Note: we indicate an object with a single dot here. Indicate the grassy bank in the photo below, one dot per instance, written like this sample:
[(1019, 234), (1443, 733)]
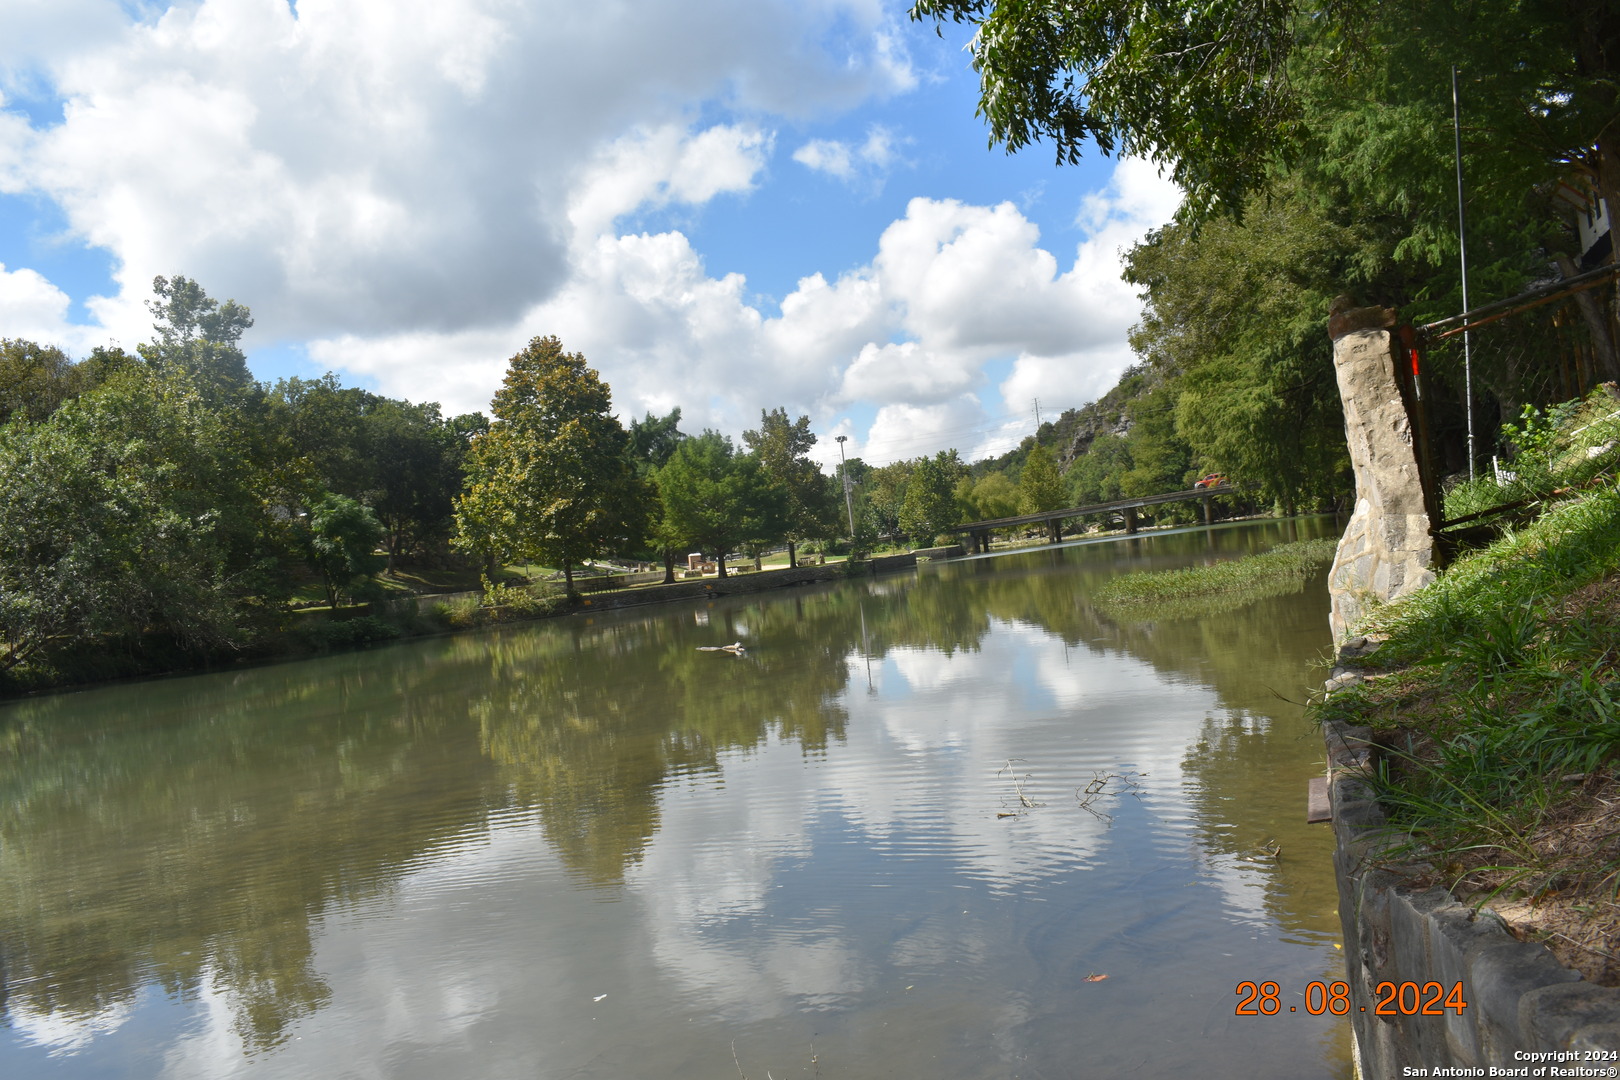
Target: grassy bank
[(1493, 694)]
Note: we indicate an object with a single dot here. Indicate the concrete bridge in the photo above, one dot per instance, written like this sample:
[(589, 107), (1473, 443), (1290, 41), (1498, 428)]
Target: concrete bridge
[(978, 532)]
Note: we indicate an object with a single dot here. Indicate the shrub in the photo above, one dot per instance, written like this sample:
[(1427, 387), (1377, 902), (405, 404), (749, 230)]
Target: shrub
[(326, 635)]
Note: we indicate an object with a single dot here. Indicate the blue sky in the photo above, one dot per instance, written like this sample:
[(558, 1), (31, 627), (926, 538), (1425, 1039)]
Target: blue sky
[(727, 205)]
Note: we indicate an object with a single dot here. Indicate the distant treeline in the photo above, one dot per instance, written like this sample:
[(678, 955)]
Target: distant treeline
[(163, 507), (165, 501)]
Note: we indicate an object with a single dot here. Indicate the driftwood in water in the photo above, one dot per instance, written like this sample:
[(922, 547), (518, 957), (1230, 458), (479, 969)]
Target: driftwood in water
[(735, 648)]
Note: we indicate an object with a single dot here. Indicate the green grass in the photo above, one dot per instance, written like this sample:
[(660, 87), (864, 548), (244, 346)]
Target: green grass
[(1503, 687), (1222, 586), (1561, 447), (1570, 545)]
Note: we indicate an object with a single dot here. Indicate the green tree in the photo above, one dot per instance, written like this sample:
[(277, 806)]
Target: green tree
[(1540, 94), (1202, 87), (884, 492), (316, 428), (717, 498), (401, 459), (1160, 459), (342, 545), (653, 441), (1040, 485), (930, 503), (654, 438), (1094, 476), (35, 379), (127, 514), (991, 496), (812, 504), (552, 480), (1140, 452), (199, 335), (418, 458), (1238, 312), (1220, 91)]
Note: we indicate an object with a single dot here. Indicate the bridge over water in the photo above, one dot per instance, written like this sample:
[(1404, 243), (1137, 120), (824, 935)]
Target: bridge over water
[(978, 532)]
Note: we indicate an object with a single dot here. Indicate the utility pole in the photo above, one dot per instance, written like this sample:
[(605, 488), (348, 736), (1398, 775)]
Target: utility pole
[(1037, 418), (843, 479), (1462, 249)]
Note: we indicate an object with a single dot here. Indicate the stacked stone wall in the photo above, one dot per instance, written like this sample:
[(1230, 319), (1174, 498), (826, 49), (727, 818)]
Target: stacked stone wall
[(1402, 930)]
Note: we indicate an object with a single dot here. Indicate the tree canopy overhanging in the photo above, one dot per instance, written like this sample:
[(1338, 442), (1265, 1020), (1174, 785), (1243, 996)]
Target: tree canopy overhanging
[(1220, 92)]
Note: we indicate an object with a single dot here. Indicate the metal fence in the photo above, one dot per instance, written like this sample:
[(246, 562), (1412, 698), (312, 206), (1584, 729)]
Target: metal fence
[(1549, 344)]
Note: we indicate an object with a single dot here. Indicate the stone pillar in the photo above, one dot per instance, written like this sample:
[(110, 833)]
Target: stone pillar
[(1209, 510), (1130, 519), (1386, 549)]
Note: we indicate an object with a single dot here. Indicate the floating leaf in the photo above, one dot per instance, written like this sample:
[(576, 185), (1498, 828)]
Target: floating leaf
[(1095, 978)]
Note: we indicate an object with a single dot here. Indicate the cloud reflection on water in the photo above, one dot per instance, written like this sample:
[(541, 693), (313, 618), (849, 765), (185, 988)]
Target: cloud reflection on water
[(715, 844)]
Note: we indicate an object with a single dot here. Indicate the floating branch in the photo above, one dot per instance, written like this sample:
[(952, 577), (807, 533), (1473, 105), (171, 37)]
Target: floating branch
[(1024, 801), (1268, 851), (1107, 785)]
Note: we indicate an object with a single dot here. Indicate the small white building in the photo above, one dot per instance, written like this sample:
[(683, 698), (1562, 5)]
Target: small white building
[(1591, 224)]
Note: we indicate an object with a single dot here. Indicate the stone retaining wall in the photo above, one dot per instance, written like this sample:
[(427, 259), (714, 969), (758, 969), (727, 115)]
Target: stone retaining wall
[(738, 584), (731, 585), (1520, 999), (949, 551)]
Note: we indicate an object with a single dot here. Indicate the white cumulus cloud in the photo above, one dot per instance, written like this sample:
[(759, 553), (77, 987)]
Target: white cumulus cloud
[(33, 308), (847, 161), (411, 189), (828, 156), (373, 167), (951, 288)]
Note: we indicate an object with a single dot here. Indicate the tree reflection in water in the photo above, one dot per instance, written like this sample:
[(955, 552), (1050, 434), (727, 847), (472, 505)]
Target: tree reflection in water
[(186, 833)]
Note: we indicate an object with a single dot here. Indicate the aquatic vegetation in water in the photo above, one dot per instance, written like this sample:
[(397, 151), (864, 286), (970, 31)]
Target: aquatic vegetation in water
[(1201, 591)]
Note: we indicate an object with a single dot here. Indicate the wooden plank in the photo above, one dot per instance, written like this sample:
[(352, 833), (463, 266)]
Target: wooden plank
[(1317, 805)]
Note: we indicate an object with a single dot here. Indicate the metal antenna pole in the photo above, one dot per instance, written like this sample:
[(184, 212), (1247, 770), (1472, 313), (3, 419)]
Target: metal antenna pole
[(843, 479), (1462, 249)]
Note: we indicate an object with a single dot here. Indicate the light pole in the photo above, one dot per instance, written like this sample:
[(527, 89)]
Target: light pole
[(1462, 251), (843, 478)]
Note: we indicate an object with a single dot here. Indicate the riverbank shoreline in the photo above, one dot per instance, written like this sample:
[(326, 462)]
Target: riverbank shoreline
[(370, 625), (403, 619)]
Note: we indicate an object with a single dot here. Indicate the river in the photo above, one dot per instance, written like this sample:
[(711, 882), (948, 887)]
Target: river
[(906, 835)]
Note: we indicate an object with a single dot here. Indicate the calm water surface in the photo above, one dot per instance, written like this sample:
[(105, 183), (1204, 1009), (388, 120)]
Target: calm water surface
[(583, 848)]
